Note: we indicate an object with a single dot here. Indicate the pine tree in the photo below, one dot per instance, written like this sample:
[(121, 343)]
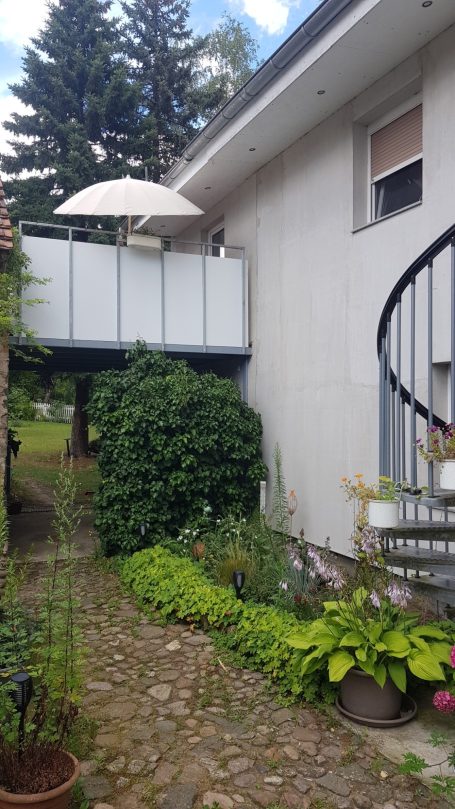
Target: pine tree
[(82, 109), (164, 59)]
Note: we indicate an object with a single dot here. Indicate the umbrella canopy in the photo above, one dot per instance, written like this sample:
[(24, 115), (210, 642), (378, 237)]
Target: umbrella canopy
[(128, 197)]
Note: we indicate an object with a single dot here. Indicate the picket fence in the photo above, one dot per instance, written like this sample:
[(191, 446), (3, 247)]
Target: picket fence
[(53, 411)]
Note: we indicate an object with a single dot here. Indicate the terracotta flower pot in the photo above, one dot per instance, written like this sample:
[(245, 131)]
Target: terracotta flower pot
[(58, 798), (363, 697)]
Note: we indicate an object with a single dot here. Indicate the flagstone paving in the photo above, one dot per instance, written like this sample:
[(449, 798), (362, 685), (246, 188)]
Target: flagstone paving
[(180, 729)]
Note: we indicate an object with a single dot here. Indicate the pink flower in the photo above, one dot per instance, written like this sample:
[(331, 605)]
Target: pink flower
[(452, 657), (444, 701)]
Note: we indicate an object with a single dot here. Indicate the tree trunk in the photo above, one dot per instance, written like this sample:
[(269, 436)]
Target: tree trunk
[(79, 429), (4, 372), (4, 368)]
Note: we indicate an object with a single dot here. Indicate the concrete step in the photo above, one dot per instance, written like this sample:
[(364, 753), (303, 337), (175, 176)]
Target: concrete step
[(440, 590), (413, 558), (440, 499), (421, 529)]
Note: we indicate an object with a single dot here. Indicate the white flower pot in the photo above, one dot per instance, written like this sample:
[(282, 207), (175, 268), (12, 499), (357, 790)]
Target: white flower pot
[(447, 476), (383, 513)]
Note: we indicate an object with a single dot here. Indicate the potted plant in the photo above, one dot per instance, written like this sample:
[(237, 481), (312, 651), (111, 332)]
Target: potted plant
[(35, 767), (367, 642), (440, 447), (378, 504)]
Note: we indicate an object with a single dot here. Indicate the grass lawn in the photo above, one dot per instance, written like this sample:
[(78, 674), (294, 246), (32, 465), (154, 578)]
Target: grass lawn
[(37, 464)]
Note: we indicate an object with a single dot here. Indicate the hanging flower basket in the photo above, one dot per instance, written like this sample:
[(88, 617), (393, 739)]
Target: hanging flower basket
[(384, 513)]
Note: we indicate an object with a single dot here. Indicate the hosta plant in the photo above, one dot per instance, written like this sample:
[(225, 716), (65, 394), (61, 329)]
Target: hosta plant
[(373, 633)]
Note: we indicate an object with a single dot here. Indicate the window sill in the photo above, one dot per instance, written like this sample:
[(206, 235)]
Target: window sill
[(388, 216)]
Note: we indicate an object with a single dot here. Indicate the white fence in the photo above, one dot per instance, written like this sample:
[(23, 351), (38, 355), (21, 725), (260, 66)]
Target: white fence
[(53, 411)]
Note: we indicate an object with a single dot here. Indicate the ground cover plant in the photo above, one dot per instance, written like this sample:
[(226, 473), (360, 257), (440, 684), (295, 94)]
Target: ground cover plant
[(171, 441)]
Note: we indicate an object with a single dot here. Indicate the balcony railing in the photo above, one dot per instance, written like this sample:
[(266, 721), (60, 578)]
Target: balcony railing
[(177, 298)]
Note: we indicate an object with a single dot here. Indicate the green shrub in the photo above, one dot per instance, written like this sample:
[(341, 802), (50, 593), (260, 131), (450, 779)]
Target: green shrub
[(179, 587), (20, 407), (171, 442)]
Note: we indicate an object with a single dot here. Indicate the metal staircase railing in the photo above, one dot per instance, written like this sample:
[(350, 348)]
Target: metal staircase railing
[(399, 406)]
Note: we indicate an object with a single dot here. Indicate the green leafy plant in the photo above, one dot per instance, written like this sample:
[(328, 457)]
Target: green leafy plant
[(383, 644), (55, 663), (172, 441), (441, 784), (280, 514), (235, 558)]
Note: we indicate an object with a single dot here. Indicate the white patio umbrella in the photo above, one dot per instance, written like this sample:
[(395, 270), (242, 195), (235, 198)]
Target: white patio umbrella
[(128, 197)]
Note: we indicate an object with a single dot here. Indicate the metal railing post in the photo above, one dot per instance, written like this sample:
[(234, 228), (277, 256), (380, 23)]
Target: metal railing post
[(163, 302), (71, 286), (398, 396), (204, 298)]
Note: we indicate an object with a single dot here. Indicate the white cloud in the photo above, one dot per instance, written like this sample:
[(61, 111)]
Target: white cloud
[(271, 15), (20, 20)]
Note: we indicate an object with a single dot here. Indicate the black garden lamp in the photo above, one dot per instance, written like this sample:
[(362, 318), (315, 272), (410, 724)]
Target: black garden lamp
[(21, 695), (142, 529), (238, 580)]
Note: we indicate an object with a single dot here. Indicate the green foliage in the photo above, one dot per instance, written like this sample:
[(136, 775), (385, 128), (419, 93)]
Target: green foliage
[(178, 587), (442, 785), (20, 407), (82, 106), (171, 442), (383, 646), (232, 56), (280, 515), (15, 630)]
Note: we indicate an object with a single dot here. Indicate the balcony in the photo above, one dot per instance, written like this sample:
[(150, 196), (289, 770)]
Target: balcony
[(175, 296)]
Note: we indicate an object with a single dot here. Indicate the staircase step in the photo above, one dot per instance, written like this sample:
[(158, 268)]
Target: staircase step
[(440, 499), (439, 589), (421, 529), (421, 559)]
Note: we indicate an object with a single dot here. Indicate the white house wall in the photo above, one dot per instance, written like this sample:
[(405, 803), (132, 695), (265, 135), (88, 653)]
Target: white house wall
[(317, 289)]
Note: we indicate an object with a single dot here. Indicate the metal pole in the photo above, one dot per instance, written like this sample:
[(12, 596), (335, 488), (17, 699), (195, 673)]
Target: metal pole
[(163, 308), (387, 396), (118, 298), (244, 283), (430, 374), (382, 408), (71, 285), (204, 298), (413, 451), (398, 399), (452, 341)]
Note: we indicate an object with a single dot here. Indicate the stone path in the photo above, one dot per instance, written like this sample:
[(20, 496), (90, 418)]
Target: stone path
[(179, 729)]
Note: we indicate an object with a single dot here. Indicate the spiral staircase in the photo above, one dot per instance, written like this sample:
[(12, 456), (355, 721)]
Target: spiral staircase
[(416, 376)]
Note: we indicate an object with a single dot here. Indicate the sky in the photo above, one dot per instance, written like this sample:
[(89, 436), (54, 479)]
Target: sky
[(270, 22)]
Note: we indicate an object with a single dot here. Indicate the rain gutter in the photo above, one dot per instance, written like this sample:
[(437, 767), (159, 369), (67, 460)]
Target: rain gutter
[(298, 41)]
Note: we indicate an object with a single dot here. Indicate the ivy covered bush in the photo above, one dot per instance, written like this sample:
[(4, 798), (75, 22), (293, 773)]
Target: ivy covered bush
[(257, 633), (172, 441)]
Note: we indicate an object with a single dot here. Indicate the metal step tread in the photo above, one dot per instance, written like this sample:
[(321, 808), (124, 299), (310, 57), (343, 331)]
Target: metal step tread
[(441, 588), (441, 498), (420, 528), (419, 556)]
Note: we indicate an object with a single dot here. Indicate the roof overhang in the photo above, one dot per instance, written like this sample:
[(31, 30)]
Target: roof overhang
[(362, 43)]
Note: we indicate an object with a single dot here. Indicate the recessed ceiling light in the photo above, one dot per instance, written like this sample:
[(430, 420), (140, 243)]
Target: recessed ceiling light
[(207, 188), (162, 226), (321, 92), (252, 149), (427, 3)]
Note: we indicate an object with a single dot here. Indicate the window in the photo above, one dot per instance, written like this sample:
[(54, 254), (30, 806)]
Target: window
[(216, 238), (396, 163)]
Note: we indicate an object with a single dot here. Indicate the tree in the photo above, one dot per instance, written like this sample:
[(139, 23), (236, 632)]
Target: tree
[(79, 427), (232, 56), (172, 441), (83, 107), (164, 62)]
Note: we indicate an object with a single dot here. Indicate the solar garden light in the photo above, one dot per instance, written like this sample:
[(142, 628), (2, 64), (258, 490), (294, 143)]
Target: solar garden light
[(143, 528), (21, 695), (238, 580)]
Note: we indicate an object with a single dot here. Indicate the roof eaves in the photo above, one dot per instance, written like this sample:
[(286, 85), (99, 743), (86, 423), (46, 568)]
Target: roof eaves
[(292, 47)]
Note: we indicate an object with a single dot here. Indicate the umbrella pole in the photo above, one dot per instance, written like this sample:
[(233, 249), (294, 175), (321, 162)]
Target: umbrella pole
[(129, 225)]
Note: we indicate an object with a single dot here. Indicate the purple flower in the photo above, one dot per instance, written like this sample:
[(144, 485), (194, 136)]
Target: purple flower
[(398, 595), (298, 564), (444, 701), (375, 600)]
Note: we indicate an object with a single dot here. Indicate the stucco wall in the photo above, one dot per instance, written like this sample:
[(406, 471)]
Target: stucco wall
[(317, 288)]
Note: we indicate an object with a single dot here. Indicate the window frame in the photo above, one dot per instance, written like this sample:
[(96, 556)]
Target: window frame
[(211, 233), (380, 123)]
